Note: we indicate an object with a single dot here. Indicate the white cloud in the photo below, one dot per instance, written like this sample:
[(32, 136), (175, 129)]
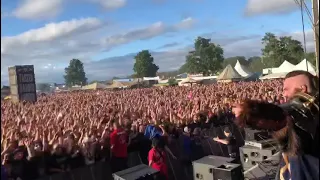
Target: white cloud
[(173, 59), (255, 7), (38, 9), (48, 69), (186, 23), (111, 4), (57, 43), (35, 44)]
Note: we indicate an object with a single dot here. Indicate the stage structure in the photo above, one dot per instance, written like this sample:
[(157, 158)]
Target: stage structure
[(22, 83)]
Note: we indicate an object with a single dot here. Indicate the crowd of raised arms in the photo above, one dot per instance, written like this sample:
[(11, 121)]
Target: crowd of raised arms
[(64, 131)]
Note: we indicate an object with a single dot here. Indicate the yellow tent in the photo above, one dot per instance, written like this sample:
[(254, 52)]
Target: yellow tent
[(94, 86), (188, 80), (116, 84), (7, 97)]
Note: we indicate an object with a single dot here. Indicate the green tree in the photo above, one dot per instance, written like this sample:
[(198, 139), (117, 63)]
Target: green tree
[(276, 50), (253, 58), (206, 58), (256, 64), (233, 60), (311, 57), (172, 82), (44, 87), (74, 73), (144, 65), (183, 68)]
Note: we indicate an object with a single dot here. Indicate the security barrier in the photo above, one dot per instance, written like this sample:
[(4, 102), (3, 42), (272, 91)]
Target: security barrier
[(102, 170)]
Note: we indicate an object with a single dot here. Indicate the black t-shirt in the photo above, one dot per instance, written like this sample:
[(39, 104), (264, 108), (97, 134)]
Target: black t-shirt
[(144, 147), (75, 159), (58, 162), (194, 125), (104, 150), (19, 163), (18, 169), (37, 166), (231, 144), (174, 133), (196, 148), (162, 141)]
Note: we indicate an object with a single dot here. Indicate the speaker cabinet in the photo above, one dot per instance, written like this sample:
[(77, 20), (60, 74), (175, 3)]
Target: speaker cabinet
[(250, 156), (228, 171), (22, 83), (203, 168), (141, 171)]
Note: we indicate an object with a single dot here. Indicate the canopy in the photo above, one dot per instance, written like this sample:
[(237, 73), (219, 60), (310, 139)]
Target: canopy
[(188, 80), (274, 76), (7, 97), (151, 78), (242, 70), (229, 73), (285, 67), (305, 65), (118, 84), (94, 86)]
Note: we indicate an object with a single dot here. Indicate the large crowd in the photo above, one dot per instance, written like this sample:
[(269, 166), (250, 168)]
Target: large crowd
[(65, 131)]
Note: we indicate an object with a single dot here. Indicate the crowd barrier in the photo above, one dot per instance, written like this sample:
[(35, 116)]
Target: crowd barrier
[(102, 170)]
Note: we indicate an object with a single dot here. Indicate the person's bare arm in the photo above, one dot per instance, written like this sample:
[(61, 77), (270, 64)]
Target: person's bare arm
[(30, 151), (150, 162), (222, 141)]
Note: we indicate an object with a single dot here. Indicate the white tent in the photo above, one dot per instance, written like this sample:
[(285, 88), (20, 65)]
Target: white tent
[(242, 70), (285, 67), (274, 76), (157, 78), (305, 65)]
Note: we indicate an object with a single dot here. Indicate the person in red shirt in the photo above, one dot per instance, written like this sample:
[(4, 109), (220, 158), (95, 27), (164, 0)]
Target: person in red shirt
[(118, 143), (157, 159)]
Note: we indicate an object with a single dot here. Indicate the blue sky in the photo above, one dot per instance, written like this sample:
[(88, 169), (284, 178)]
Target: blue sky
[(106, 34)]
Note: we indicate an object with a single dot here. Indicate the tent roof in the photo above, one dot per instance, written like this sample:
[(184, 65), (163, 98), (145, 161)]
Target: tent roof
[(274, 76), (94, 86), (229, 73), (188, 80), (305, 65), (118, 84), (285, 67), (242, 70)]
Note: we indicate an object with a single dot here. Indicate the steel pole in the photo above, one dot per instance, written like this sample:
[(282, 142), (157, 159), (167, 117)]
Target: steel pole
[(315, 12)]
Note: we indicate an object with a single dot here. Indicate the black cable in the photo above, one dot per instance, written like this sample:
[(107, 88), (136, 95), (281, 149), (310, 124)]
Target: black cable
[(311, 23)]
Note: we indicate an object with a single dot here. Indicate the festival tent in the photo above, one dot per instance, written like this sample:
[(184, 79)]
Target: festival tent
[(253, 77), (242, 70), (285, 67), (94, 86), (274, 76), (188, 80), (305, 65), (229, 74), (117, 84)]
